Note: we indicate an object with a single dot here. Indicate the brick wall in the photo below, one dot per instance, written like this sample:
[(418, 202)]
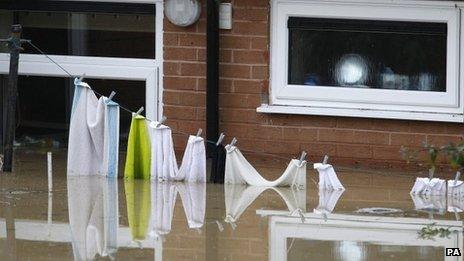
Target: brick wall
[(244, 66)]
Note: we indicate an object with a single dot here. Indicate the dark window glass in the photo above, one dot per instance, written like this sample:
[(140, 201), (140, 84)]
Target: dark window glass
[(367, 54), (102, 31)]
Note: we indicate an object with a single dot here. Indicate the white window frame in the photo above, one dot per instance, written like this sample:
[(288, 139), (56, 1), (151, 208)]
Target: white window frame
[(360, 102), (148, 70)]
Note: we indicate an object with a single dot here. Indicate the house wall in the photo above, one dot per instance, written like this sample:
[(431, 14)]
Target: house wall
[(244, 85)]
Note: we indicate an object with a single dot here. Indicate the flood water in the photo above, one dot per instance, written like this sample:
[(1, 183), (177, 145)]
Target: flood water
[(375, 218)]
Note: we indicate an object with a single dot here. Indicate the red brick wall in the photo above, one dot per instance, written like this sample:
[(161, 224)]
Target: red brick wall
[(244, 66)]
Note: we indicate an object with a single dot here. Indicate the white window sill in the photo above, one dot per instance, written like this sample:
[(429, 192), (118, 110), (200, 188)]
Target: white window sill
[(361, 113)]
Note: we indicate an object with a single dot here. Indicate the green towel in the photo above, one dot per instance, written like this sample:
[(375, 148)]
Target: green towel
[(138, 150), (138, 201)]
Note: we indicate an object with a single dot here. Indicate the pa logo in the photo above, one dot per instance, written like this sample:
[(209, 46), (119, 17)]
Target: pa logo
[(453, 252)]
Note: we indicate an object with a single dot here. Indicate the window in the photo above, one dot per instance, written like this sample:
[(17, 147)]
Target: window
[(381, 60)]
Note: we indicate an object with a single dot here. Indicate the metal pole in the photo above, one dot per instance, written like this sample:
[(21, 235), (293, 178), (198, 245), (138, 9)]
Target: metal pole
[(212, 73), (11, 95)]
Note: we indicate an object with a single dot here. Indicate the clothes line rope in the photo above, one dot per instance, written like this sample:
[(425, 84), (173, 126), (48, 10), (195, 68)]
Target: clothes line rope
[(130, 111)]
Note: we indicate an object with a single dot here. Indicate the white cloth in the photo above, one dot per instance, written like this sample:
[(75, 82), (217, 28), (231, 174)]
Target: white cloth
[(456, 188), (426, 186), (163, 158), (430, 204), (240, 171), (238, 197), (327, 177), (455, 203), (93, 216), (193, 196), (93, 134), (328, 198)]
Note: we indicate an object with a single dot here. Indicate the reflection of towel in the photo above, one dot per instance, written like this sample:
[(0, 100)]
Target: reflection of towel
[(218, 167), (327, 200), (193, 197), (240, 171), (163, 158), (238, 197), (430, 203), (138, 207), (93, 216), (93, 134), (138, 150), (426, 186), (456, 188), (327, 177)]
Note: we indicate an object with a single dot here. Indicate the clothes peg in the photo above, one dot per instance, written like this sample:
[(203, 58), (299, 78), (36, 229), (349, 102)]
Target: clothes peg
[(221, 137), (113, 93), (139, 111), (82, 77), (232, 143), (199, 132), (302, 157), (326, 159), (163, 119), (457, 177), (431, 173)]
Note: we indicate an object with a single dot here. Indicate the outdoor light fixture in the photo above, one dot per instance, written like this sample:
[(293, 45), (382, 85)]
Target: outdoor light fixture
[(182, 12), (351, 70)]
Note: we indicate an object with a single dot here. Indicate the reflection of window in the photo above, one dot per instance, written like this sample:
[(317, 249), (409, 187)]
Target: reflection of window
[(106, 32), (367, 54), (386, 60)]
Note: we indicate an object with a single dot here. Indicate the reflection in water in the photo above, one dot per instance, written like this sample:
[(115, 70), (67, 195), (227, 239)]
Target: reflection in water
[(239, 197), (138, 207), (430, 204), (93, 216), (193, 197), (327, 200)]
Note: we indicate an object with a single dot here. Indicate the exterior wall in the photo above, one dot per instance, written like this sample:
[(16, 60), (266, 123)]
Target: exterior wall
[(244, 85)]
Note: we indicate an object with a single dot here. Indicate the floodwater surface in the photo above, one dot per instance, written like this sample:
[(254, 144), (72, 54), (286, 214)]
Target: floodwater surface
[(87, 218)]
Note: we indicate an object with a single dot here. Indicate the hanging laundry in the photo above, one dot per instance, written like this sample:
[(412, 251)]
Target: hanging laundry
[(93, 216), (240, 171), (93, 134), (455, 204), (138, 200), (456, 188), (163, 160), (426, 186), (163, 157), (430, 204), (239, 197), (218, 166), (193, 197), (138, 150), (328, 198), (327, 177)]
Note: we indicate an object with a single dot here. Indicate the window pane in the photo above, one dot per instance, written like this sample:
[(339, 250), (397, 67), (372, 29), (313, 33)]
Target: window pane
[(367, 54), (85, 34)]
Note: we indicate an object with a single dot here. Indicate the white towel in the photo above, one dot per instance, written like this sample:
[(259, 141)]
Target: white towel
[(426, 186), (328, 198), (93, 216), (456, 188), (193, 196), (193, 168), (327, 177), (240, 171), (431, 204), (238, 197), (455, 203), (163, 159), (93, 134)]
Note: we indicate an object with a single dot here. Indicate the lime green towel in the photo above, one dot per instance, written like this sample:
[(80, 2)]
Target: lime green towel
[(138, 150), (138, 201)]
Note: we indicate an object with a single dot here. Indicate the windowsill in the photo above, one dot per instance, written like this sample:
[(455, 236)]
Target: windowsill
[(360, 113)]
